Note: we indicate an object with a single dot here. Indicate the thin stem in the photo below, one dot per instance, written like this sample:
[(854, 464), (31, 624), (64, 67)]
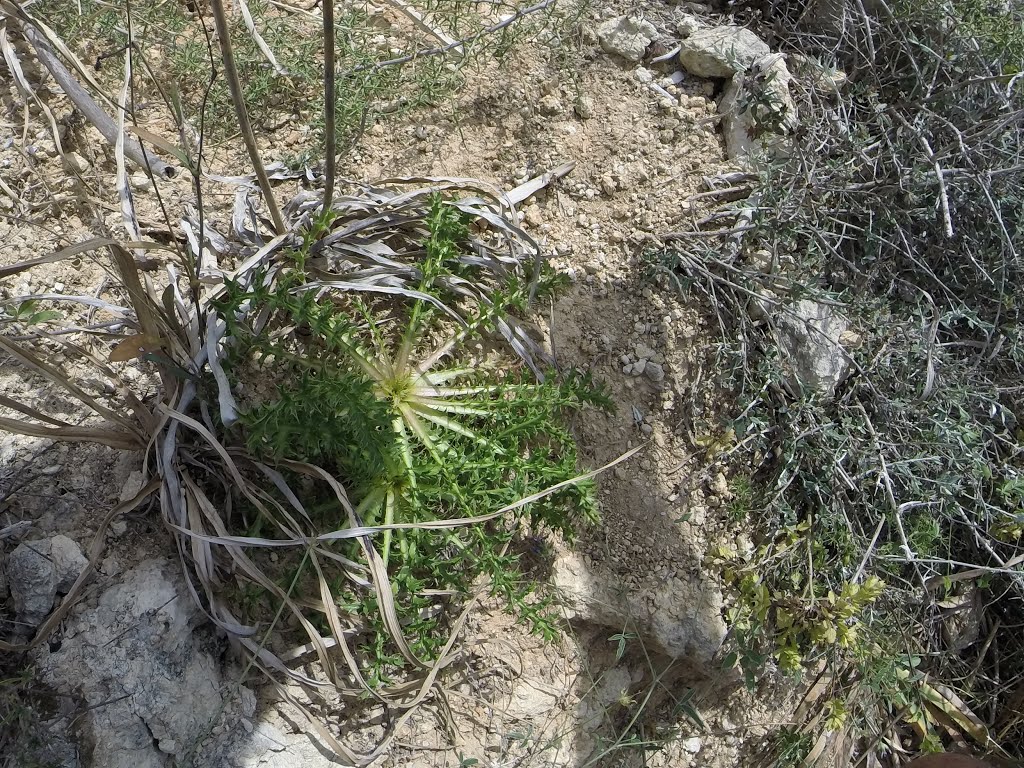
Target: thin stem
[(235, 86), (329, 108)]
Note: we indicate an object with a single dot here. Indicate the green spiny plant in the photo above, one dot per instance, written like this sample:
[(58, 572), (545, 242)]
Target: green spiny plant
[(387, 396)]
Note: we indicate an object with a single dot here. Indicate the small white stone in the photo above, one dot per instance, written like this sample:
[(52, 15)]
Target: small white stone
[(692, 745), (140, 182), (75, 163), (644, 75)]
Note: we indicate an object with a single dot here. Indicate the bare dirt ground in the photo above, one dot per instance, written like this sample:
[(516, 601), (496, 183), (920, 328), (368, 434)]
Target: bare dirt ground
[(638, 159)]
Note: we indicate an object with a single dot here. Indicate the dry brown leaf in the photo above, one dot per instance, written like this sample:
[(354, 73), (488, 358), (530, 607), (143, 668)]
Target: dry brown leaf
[(134, 347)]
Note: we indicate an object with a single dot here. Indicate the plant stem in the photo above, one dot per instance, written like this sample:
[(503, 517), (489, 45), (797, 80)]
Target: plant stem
[(329, 138), (235, 86)]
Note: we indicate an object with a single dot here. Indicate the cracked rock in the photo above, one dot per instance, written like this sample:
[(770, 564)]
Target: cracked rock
[(627, 36), (136, 653), (721, 51), (37, 571)]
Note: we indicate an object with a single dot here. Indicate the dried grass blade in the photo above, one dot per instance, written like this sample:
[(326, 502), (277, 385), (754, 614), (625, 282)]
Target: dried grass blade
[(345, 285), (945, 699), (253, 571), (88, 301), (146, 307), (59, 45), (378, 572), (258, 39), (124, 191), (65, 253), (58, 377), (420, 21), (350, 757), (14, 66), (228, 407), (202, 553), (212, 441), (14, 405), (533, 186), (121, 440)]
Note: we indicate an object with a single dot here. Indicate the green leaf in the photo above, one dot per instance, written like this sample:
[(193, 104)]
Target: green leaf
[(44, 317)]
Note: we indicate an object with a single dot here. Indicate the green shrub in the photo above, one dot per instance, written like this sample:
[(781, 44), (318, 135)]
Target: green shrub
[(900, 205)]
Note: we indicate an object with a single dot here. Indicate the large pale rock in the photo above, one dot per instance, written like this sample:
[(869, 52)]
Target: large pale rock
[(37, 571), (627, 36), (809, 335), (758, 111), (686, 623), (152, 691), (32, 580), (145, 664), (721, 51)]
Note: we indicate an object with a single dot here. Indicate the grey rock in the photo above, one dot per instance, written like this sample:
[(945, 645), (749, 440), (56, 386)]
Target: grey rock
[(644, 75), (68, 561), (33, 582), (140, 657), (654, 371), (271, 746), (721, 51), (75, 163), (136, 652), (687, 24), (584, 107), (758, 111), (642, 350), (55, 751), (686, 622), (826, 79), (132, 485), (809, 335), (550, 105), (627, 36), (140, 181)]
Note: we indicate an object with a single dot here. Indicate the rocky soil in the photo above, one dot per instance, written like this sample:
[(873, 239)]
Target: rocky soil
[(135, 675)]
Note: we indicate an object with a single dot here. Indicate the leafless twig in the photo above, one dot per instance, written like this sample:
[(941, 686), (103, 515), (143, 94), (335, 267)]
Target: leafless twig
[(458, 44)]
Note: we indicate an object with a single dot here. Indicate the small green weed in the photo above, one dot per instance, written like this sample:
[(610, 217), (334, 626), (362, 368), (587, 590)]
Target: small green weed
[(23, 742)]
